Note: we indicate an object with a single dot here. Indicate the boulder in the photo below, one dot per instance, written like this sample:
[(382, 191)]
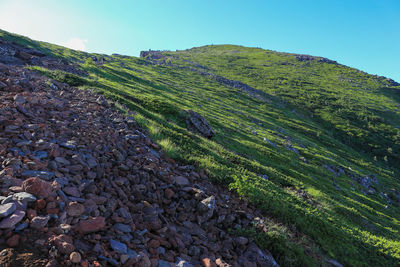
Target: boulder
[(37, 187), (197, 123)]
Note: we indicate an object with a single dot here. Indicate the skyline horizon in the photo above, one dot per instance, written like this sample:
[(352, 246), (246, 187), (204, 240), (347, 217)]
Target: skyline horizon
[(362, 35)]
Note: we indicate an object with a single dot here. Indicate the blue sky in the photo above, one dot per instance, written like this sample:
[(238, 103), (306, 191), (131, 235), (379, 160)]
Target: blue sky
[(362, 34)]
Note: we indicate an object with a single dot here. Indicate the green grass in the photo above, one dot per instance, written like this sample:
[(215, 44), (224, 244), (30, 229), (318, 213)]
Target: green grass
[(330, 113)]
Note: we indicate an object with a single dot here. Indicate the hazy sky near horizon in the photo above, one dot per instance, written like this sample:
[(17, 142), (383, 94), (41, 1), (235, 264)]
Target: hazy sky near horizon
[(364, 34)]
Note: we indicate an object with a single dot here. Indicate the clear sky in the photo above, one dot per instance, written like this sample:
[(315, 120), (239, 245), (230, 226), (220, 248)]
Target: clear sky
[(359, 33)]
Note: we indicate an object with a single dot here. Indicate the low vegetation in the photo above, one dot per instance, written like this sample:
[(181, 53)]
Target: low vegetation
[(318, 152)]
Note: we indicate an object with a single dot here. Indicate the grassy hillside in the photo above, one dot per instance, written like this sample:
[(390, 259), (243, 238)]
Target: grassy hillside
[(312, 143)]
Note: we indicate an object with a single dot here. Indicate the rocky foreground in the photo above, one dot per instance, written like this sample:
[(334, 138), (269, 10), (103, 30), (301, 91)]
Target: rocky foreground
[(82, 185)]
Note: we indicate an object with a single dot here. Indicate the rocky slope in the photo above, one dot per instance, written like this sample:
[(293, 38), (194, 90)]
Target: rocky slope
[(83, 185)]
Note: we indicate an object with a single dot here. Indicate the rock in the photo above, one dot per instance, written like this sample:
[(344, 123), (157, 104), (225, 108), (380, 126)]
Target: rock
[(335, 263), (194, 251), (37, 187), (182, 181), (45, 175), (144, 260), (12, 220), (63, 243), (7, 209), (40, 154), (124, 258), (39, 222), (208, 263), (109, 260), (62, 161), (20, 226), (41, 204), (183, 263), (72, 191), (2, 85), (260, 257), (19, 99), (91, 225), (24, 197), (197, 123), (241, 240), (221, 263), (92, 163), (65, 228), (207, 205), (13, 241), (169, 193), (8, 199), (162, 263), (117, 246), (101, 101), (69, 145), (75, 257), (122, 227), (75, 209)]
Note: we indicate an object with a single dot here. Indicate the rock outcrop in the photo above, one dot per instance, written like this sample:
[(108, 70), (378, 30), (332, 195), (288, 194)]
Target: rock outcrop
[(197, 123)]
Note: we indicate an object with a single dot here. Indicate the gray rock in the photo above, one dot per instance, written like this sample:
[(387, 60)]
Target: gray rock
[(69, 144), (335, 263), (92, 163), (40, 154), (19, 99), (45, 175), (162, 263), (39, 222), (122, 227), (183, 263), (8, 199), (124, 213), (24, 197), (131, 253), (62, 161), (182, 181), (7, 209), (12, 220), (241, 240), (207, 205), (260, 257), (109, 260), (197, 123), (24, 143), (118, 246), (21, 226)]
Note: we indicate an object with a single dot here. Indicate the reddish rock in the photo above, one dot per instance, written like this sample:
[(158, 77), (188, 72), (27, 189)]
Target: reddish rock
[(91, 225), (30, 213), (13, 241), (63, 243), (37, 187), (169, 193), (41, 204), (75, 209), (144, 260), (153, 243), (207, 262)]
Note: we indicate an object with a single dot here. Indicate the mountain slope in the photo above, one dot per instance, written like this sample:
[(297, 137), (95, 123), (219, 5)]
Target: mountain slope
[(312, 143)]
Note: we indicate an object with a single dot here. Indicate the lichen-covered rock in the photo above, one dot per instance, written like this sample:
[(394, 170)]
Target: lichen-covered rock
[(197, 123)]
